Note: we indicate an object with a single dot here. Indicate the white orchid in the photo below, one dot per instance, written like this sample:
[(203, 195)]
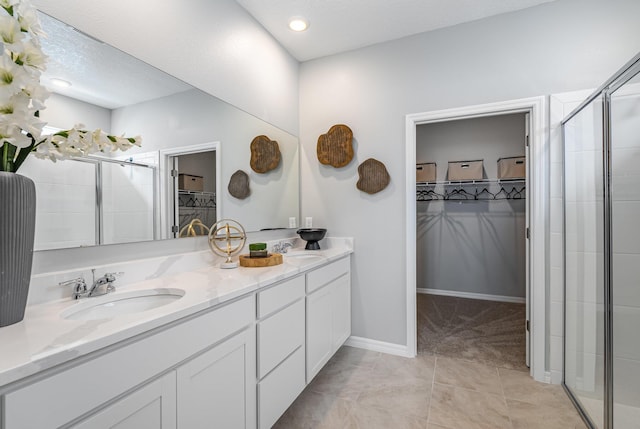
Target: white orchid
[(22, 97), (80, 142)]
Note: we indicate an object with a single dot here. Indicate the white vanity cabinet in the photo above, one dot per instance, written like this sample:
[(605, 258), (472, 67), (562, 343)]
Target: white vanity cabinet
[(281, 342), (152, 406), (217, 388), (239, 365), (116, 386), (328, 305)]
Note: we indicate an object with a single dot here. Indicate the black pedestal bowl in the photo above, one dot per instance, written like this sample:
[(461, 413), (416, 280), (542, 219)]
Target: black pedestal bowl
[(312, 236)]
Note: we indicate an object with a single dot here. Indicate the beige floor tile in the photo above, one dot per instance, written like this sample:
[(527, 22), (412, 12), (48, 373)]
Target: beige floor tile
[(529, 416), (402, 400), (454, 407), (315, 411), (368, 417), (352, 356), (340, 379), (467, 374), (397, 370), (519, 386)]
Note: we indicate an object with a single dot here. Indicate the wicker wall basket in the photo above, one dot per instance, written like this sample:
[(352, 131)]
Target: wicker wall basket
[(335, 148), (374, 176)]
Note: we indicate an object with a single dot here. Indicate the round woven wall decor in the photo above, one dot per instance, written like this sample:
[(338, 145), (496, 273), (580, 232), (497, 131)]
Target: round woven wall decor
[(374, 176)]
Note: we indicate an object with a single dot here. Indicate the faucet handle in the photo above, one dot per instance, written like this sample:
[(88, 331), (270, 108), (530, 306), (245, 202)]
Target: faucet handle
[(111, 277), (74, 282), (79, 286)]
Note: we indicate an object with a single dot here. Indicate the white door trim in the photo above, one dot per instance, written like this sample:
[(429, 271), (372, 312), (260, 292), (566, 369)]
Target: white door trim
[(538, 190), (166, 188)]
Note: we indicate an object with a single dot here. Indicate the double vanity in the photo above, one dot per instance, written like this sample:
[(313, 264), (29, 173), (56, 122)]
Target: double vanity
[(196, 348)]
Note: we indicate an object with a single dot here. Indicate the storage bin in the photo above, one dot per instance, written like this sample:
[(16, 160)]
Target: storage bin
[(426, 172), (513, 167), (188, 182), (465, 170)]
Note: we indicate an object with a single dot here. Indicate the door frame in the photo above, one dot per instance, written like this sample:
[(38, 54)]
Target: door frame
[(538, 191), (166, 188)]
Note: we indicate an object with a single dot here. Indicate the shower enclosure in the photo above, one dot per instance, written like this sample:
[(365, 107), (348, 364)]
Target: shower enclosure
[(602, 252)]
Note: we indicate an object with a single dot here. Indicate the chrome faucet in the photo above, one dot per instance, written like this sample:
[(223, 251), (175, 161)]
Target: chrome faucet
[(79, 287), (282, 247), (100, 286)]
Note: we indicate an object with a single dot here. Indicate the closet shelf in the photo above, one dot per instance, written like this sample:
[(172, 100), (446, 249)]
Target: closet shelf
[(186, 192), (470, 182)]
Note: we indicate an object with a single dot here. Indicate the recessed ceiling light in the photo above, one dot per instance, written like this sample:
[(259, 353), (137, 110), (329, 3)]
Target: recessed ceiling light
[(60, 82), (298, 23)]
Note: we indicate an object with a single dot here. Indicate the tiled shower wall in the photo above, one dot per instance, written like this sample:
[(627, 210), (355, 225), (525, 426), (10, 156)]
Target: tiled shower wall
[(625, 195)]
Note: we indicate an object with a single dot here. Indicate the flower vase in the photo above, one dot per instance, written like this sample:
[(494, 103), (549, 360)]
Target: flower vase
[(17, 231)]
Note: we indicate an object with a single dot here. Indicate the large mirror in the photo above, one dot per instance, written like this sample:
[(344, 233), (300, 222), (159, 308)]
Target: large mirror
[(192, 143)]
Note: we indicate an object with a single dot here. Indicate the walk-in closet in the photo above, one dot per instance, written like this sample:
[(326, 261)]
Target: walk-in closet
[(196, 208), (471, 199)]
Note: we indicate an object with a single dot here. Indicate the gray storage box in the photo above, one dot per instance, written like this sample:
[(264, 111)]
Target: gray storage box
[(513, 167), (426, 172), (465, 170)]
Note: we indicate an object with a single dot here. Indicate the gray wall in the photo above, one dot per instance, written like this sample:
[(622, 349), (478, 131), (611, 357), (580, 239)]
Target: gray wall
[(560, 46), (200, 164), (472, 246)]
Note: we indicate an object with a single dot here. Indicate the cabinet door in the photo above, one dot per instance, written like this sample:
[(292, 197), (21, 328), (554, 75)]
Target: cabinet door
[(217, 388), (341, 311), (319, 329), (150, 407)]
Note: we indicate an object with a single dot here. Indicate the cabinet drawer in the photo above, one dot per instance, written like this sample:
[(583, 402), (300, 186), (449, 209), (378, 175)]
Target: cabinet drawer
[(322, 276), (280, 296), (69, 394), (280, 388), (279, 335)]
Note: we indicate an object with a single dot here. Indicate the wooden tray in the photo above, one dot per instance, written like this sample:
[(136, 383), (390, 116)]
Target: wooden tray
[(269, 261)]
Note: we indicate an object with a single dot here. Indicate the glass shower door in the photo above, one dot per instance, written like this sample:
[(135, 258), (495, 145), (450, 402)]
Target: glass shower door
[(584, 260), (625, 253)]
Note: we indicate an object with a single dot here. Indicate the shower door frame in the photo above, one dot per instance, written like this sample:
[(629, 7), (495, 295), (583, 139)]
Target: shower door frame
[(610, 86)]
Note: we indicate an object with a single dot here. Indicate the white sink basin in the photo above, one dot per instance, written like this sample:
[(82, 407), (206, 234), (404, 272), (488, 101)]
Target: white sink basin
[(109, 306)]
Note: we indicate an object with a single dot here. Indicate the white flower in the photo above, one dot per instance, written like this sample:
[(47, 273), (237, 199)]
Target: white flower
[(11, 34), (28, 19), (31, 57)]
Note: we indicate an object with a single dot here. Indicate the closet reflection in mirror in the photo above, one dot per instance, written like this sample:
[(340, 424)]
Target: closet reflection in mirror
[(93, 201)]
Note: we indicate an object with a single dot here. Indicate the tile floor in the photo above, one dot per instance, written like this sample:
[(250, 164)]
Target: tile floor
[(464, 384)]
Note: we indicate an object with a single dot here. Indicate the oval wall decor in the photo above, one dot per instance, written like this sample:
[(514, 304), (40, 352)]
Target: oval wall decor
[(265, 154), (335, 148), (374, 176), (239, 185)]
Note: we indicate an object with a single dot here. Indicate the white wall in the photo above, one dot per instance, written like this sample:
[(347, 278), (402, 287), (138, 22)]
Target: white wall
[(213, 45), (560, 46), (65, 112), (472, 246), (193, 117)]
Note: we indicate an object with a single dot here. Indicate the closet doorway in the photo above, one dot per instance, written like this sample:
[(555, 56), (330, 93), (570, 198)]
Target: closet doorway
[(191, 188), (470, 241)]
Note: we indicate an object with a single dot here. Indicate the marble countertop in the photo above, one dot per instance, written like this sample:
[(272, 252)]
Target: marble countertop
[(45, 339)]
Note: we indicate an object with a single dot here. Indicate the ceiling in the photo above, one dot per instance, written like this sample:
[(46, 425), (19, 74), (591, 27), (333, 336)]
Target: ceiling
[(342, 25)]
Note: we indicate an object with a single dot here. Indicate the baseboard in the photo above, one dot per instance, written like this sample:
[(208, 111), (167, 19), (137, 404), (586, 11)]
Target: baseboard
[(378, 346), (472, 295), (556, 377)]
